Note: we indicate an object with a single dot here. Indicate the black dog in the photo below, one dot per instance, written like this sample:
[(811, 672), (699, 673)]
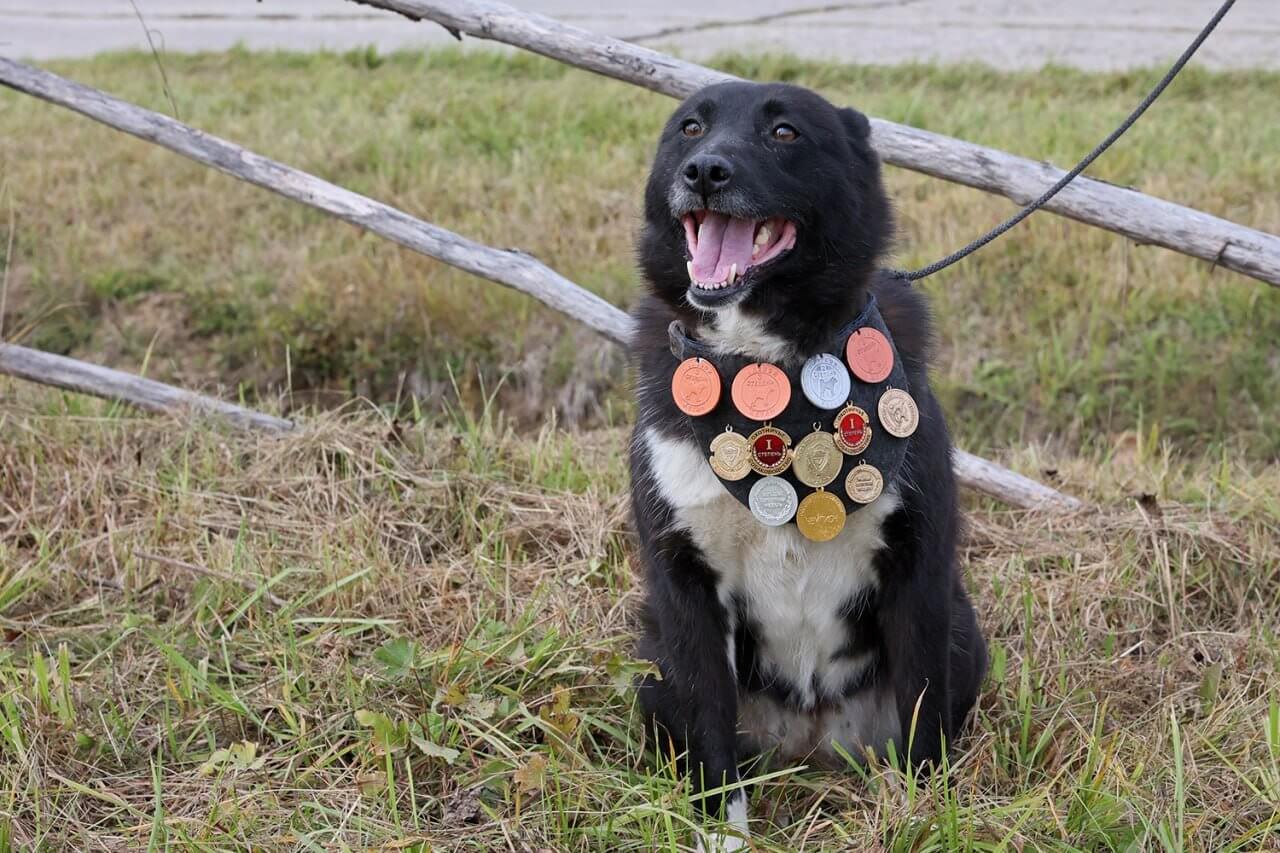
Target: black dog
[(764, 220)]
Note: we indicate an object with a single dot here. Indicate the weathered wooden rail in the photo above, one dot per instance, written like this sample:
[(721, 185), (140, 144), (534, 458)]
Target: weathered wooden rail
[(514, 269), (147, 394), (1126, 211)]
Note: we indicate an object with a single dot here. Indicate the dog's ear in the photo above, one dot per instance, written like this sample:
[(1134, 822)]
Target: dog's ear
[(856, 125)]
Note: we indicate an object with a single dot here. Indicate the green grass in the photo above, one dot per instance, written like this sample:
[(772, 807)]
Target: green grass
[(406, 627), (371, 634), (1057, 333)]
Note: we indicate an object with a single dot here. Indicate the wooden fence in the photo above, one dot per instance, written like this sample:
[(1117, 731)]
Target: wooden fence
[(1118, 209)]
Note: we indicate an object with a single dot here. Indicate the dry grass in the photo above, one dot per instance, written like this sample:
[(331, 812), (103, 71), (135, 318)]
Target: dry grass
[(466, 588), (1058, 332), (412, 633)]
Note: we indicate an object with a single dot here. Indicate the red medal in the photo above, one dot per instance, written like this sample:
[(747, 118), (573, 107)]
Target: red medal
[(769, 453), (869, 354), (853, 430), (695, 386)]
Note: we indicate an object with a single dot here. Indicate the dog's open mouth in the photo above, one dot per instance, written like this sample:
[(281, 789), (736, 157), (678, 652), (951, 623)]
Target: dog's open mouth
[(724, 249)]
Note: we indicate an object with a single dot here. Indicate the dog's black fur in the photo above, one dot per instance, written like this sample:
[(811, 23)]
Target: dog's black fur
[(916, 621)]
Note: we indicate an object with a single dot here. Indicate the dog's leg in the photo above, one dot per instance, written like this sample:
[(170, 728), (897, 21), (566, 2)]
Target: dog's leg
[(937, 660), (915, 612), (917, 636), (968, 658), (695, 701)]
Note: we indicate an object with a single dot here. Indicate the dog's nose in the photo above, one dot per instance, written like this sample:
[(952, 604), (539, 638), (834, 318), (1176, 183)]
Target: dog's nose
[(707, 173)]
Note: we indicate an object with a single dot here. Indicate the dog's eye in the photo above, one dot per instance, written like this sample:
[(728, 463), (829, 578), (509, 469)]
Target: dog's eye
[(785, 133), (692, 128)]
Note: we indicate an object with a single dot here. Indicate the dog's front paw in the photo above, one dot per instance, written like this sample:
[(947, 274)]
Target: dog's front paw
[(727, 842), (721, 842)]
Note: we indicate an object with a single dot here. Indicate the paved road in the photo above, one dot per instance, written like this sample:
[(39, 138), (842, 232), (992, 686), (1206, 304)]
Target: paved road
[(1095, 34)]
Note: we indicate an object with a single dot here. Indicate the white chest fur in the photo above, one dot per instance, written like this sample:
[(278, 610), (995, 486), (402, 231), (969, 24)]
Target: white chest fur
[(793, 588), (736, 332)]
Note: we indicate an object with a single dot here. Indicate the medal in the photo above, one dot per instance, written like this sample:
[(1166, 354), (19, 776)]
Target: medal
[(761, 391), (730, 455), (864, 483), (898, 413), (767, 451), (695, 386), (853, 430), (820, 516), (772, 501), (825, 381), (870, 355), (816, 461)]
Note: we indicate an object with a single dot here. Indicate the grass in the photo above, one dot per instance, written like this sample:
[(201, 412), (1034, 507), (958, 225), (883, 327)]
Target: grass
[(447, 662), (1057, 333), (405, 626)]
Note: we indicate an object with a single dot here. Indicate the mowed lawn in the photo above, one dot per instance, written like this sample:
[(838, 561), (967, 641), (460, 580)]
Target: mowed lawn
[(406, 625)]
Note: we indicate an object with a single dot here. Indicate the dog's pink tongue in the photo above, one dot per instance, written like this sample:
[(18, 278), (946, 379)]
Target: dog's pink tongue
[(722, 242)]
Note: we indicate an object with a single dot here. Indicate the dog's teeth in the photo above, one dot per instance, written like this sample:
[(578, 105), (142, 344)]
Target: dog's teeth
[(733, 273), (755, 252), (689, 267), (762, 236)]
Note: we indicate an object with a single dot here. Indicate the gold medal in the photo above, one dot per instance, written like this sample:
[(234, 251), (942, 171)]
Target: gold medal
[(898, 413), (820, 516), (864, 483), (853, 430), (768, 451), (730, 455), (817, 461)]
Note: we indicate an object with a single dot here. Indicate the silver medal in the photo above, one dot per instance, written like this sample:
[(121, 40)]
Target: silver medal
[(773, 501), (825, 381)]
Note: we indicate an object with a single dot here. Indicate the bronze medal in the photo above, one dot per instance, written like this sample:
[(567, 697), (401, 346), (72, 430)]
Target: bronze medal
[(761, 391), (730, 455), (898, 413), (820, 516), (817, 461), (870, 355), (853, 430), (768, 451), (864, 483), (695, 386)]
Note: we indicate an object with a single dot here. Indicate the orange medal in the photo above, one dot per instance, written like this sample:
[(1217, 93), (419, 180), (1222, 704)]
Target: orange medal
[(869, 354), (695, 386), (761, 391)]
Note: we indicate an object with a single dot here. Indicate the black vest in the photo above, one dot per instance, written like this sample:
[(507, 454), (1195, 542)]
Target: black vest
[(885, 451)]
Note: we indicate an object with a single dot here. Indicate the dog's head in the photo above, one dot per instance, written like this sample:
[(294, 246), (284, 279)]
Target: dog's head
[(767, 199)]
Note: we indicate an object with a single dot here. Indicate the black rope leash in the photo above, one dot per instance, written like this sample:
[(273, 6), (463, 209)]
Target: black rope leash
[(1083, 164)]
